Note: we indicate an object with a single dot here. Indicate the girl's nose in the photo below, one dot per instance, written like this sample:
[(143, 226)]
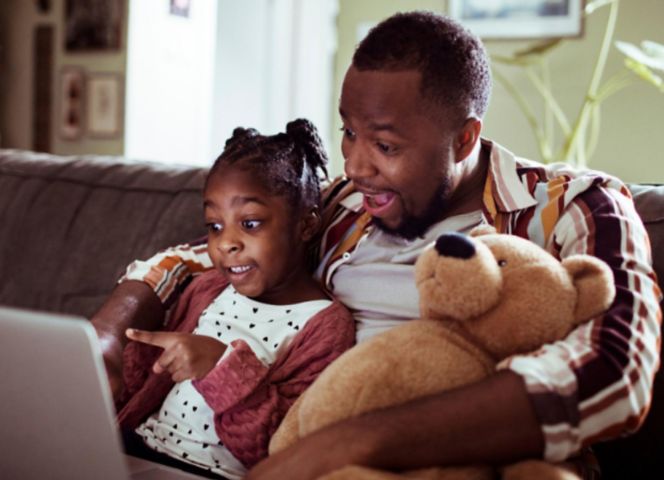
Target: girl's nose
[(229, 243)]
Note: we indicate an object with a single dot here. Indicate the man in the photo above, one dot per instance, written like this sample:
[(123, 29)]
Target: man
[(412, 104)]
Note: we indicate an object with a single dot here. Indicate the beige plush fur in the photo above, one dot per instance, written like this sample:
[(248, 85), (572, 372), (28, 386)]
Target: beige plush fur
[(509, 297)]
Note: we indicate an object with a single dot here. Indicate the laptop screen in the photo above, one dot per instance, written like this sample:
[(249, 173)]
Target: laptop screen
[(58, 420)]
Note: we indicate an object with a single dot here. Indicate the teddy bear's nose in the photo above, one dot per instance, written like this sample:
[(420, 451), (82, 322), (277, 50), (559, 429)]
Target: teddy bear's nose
[(455, 245)]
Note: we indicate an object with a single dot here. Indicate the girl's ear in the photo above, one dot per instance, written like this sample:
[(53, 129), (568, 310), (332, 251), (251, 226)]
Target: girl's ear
[(310, 224), (467, 138)]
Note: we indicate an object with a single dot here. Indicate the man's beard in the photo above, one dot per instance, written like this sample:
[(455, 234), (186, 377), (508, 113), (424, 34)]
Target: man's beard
[(413, 226)]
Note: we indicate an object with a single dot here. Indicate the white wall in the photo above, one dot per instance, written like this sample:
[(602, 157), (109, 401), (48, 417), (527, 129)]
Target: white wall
[(275, 64), (314, 52), (242, 73), (255, 63), (170, 82)]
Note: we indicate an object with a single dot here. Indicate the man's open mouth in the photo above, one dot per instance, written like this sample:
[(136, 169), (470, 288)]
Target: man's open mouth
[(377, 203)]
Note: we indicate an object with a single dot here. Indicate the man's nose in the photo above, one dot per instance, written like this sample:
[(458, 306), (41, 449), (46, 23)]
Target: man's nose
[(358, 163)]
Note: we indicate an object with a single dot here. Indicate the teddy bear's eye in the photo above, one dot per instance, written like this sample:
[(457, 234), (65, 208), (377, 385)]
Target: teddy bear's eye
[(502, 263)]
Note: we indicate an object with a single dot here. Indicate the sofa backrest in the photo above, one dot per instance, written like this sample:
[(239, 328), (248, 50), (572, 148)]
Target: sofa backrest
[(70, 225), (649, 201)]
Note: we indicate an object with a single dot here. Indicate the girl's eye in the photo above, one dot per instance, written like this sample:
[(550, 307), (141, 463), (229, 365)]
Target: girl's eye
[(214, 227), (250, 224), (384, 147)]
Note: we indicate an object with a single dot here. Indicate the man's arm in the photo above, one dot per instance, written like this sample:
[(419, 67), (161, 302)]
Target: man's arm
[(131, 304), (491, 421), (596, 384), (142, 297)]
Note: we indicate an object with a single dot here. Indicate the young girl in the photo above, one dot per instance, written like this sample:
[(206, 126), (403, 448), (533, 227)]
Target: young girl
[(250, 335)]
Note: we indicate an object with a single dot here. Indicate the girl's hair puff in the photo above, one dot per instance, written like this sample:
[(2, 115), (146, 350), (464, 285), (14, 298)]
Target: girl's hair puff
[(291, 164)]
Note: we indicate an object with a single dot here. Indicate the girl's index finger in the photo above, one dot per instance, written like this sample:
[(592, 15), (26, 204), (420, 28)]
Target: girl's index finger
[(158, 339)]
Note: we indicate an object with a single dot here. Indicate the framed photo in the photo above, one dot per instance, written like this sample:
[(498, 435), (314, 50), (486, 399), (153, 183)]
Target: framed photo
[(180, 7), (518, 19), (103, 100), (93, 25), (72, 85)]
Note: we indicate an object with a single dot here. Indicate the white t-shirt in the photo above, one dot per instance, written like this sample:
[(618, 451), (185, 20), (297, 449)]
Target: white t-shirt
[(184, 425), (377, 282)]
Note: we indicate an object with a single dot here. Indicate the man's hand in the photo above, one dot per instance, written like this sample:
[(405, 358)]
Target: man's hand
[(320, 453), (186, 356)]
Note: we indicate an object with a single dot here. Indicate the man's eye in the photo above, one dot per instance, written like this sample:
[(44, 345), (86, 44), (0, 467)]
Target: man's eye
[(250, 224), (213, 227), (347, 132)]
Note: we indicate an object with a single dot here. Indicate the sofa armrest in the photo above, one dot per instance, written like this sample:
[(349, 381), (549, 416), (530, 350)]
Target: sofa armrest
[(640, 455)]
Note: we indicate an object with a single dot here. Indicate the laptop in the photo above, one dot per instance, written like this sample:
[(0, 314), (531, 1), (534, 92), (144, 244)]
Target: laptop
[(58, 419)]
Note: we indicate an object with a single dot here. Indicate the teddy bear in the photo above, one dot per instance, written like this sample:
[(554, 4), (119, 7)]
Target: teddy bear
[(483, 298)]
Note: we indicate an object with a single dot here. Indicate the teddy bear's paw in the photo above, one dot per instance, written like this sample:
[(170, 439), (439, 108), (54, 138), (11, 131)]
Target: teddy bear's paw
[(289, 431), (282, 439), (538, 469)]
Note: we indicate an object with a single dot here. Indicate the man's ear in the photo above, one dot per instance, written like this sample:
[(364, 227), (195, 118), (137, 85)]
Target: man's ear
[(467, 138), (310, 224)]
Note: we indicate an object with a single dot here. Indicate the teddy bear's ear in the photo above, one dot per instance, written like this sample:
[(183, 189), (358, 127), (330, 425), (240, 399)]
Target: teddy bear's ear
[(483, 229), (594, 285)]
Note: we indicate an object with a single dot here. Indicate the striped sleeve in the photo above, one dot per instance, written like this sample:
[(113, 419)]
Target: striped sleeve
[(170, 271), (596, 383)]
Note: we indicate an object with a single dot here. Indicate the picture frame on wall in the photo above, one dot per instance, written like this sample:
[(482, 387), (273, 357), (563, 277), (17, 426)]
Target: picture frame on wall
[(518, 19), (180, 7), (93, 25), (104, 105), (72, 103)]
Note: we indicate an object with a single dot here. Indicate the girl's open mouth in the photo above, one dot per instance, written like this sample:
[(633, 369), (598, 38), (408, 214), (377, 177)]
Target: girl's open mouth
[(237, 272)]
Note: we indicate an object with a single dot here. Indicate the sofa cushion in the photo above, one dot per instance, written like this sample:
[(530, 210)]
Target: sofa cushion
[(70, 225)]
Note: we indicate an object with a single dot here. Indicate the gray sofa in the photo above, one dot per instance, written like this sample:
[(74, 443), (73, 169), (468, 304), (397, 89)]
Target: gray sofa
[(71, 224)]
